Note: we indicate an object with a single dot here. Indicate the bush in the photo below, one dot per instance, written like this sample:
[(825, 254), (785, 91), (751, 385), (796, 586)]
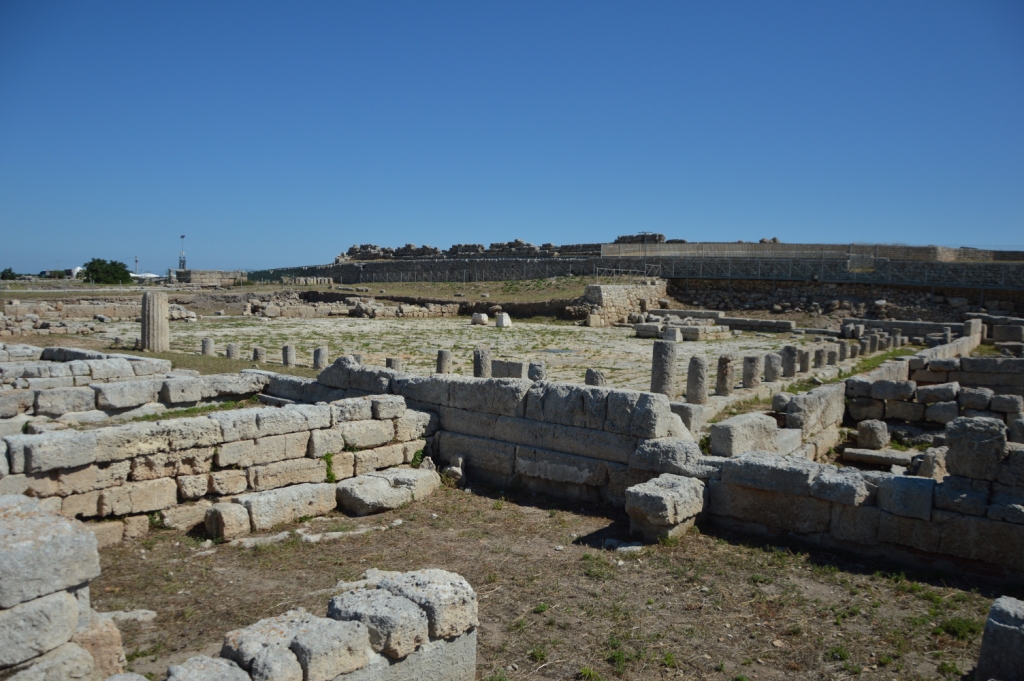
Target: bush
[(8, 274), (99, 271)]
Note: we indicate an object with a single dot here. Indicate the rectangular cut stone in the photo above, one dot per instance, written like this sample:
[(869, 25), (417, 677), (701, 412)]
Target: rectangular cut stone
[(988, 541), (92, 477), (284, 473), (800, 514), (818, 409), (840, 485), (771, 472), (263, 451), (581, 441), (367, 434), (129, 441), (907, 496), (126, 394), (267, 509), (558, 467), (369, 460), (238, 424), (64, 400), (36, 627), (858, 524), (325, 442), (172, 464), (387, 406), (501, 396), (744, 433), (913, 532), (414, 425), (139, 497), (467, 422), (189, 433), (489, 455), (279, 421), (58, 449), (186, 517), (227, 482), (354, 409)]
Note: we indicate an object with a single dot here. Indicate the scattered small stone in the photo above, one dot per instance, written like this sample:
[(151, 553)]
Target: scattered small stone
[(559, 547)]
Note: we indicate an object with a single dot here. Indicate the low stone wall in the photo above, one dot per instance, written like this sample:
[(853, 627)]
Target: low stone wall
[(614, 303), (48, 630)]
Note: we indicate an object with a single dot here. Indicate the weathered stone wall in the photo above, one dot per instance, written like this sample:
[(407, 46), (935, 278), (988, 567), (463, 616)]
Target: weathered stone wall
[(614, 303)]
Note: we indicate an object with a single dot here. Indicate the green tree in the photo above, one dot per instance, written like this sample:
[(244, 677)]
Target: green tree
[(8, 274), (99, 271)]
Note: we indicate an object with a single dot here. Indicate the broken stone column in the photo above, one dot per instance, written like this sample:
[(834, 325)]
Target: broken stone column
[(844, 350), (832, 356), (233, 351), (947, 335), (444, 362), (805, 360), (482, 362), (595, 377), (753, 367), (818, 360), (854, 351), (288, 355), (697, 381), (156, 332), (536, 371), (772, 367), (873, 343), (320, 358), (1002, 644), (789, 361), (259, 354), (208, 348), (393, 363), (865, 346), (726, 378), (663, 368)]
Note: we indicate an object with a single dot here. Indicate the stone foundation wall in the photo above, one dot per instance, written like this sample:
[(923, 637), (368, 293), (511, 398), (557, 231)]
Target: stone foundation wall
[(614, 303)]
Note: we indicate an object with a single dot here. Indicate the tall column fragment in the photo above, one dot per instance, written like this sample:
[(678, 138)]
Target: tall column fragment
[(726, 378), (663, 368), (156, 333), (697, 381)]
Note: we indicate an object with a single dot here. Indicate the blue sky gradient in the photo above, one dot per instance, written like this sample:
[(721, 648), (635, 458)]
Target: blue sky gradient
[(278, 134)]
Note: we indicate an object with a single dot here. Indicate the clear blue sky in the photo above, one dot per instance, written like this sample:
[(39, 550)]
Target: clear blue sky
[(280, 133)]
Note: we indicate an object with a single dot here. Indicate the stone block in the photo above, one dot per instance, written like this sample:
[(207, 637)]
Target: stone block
[(904, 411), (42, 553), (1007, 404), (276, 663), (228, 482), (367, 434), (226, 521), (581, 441), (975, 398), (170, 464), (448, 600), (1007, 504), (981, 539), (1002, 644), (744, 433), (962, 495), (1011, 471), (942, 412), (366, 494), (327, 648), (912, 532), (858, 386), (502, 396), (126, 394), (865, 408), (771, 472), (243, 645), (90, 478), (190, 433), (68, 662), (872, 434), (387, 406), (840, 485), (976, 447), (274, 507), (184, 390), (942, 392), (878, 457), (414, 425), (893, 390), (139, 497), (396, 625), (279, 421), (671, 455), (202, 668), (52, 450), (191, 487), (237, 424), (906, 496), (61, 401), (481, 453), (36, 627), (559, 467), (818, 409), (136, 526), (666, 500), (857, 524), (131, 440), (352, 409), (186, 517), (289, 472), (777, 510)]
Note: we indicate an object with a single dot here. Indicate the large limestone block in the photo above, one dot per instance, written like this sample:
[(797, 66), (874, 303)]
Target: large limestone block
[(367, 434), (227, 521), (840, 485), (126, 394), (666, 500), (183, 390), (366, 494), (36, 627), (42, 553), (502, 396), (1002, 644), (489, 455), (396, 625), (448, 600), (328, 648), (581, 441), (976, 447), (864, 408), (190, 433), (275, 421), (14, 402), (905, 411), (962, 495), (54, 450), (771, 472), (913, 532), (568, 404), (68, 662), (118, 443), (872, 434), (110, 369), (245, 453), (232, 386), (818, 409), (559, 467), (170, 464), (640, 415), (857, 524), (203, 668), (940, 392), (442, 660), (744, 433), (102, 640), (139, 497), (907, 496), (290, 472), (414, 425), (422, 482), (224, 483), (90, 478), (64, 400), (425, 389), (273, 507), (671, 455), (942, 412), (387, 406), (893, 390), (981, 539), (243, 645), (237, 424), (276, 663), (779, 510), (352, 409), (185, 517), (325, 442)]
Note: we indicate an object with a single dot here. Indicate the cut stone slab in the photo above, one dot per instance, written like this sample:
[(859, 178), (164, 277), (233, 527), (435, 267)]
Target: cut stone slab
[(397, 626), (744, 433), (877, 457), (35, 627), (840, 485), (771, 472), (906, 496), (243, 645), (976, 447), (872, 434), (267, 509), (41, 553), (664, 502), (367, 494), (447, 598), (328, 648), (203, 668), (1002, 644), (227, 521)]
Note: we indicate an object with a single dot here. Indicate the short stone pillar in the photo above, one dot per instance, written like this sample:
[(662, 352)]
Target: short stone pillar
[(697, 381), (753, 367), (288, 355), (1002, 644), (832, 356), (819, 358), (595, 377), (789, 361), (259, 354), (726, 378), (854, 350), (947, 335), (208, 347), (848, 330), (444, 362), (844, 350), (536, 371), (502, 320), (393, 363), (805, 360), (320, 358), (873, 343), (772, 367), (482, 362), (156, 331), (663, 368), (233, 351)]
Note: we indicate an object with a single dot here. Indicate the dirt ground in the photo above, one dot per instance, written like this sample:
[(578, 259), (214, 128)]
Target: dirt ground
[(554, 605)]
